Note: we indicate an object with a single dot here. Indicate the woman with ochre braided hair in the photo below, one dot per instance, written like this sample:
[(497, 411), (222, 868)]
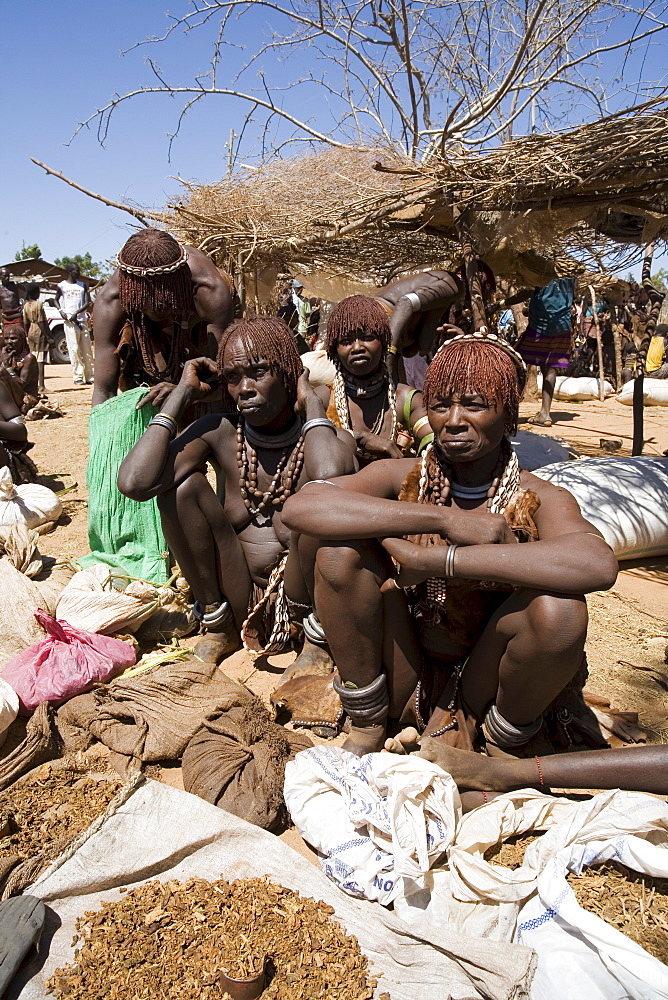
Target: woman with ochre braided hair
[(232, 547), (451, 590), (165, 303), (384, 420)]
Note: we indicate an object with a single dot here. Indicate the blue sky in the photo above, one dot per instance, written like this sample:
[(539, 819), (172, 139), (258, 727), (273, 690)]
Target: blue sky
[(58, 64)]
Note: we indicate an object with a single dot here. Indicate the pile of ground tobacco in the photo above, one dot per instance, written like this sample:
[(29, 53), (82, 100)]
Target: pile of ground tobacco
[(51, 805), (510, 853), (169, 940), (635, 904)]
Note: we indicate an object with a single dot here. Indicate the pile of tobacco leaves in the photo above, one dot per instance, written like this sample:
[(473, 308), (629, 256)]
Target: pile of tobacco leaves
[(510, 853), (170, 940), (49, 807), (635, 904)]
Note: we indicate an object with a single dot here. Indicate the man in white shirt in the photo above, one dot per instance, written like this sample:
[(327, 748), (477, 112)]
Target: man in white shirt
[(72, 298)]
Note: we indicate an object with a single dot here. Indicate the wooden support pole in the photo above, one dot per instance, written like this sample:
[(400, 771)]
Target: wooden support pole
[(472, 275), (599, 346)]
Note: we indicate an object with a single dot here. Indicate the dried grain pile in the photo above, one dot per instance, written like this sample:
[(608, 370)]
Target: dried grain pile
[(510, 853), (42, 813), (635, 904), (164, 941)]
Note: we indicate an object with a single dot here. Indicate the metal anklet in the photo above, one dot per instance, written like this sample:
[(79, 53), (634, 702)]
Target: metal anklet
[(211, 619), (313, 630)]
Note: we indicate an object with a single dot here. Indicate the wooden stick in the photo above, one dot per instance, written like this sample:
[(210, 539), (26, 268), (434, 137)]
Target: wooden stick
[(599, 347), (91, 194)]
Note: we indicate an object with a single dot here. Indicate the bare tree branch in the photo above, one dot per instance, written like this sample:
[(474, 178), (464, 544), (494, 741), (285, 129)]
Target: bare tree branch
[(141, 215)]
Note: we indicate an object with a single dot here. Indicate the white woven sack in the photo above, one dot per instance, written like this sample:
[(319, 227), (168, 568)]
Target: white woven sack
[(321, 370), (654, 392), (91, 602), (536, 450), (380, 822), (578, 389), (9, 708), (27, 504), (20, 597), (625, 498)]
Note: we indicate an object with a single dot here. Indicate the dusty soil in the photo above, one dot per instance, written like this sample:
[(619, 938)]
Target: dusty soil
[(628, 625)]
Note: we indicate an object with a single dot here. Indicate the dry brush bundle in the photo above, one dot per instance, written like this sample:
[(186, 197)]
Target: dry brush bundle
[(587, 193)]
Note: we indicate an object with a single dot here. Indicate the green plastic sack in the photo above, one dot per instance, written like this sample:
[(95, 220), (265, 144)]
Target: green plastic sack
[(122, 533)]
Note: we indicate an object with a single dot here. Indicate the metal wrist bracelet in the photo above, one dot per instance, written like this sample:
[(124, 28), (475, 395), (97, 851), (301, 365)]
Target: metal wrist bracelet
[(317, 422), (450, 560), (161, 421)]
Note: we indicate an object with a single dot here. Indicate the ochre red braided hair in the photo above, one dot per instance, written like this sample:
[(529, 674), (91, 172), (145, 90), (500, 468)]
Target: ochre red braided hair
[(357, 312), (265, 339), (477, 369)]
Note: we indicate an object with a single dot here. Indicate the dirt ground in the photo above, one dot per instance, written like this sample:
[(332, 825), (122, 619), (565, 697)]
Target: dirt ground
[(628, 630)]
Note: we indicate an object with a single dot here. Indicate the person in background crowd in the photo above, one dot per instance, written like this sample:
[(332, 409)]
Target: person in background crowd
[(21, 364), (39, 336), (383, 418), (303, 307), (163, 304), (14, 443), (10, 301), (72, 299), (547, 340), (656, 365)]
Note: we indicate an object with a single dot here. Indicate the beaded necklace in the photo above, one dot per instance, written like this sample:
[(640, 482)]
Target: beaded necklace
[(285, 478), (178, 349), (342, 386)]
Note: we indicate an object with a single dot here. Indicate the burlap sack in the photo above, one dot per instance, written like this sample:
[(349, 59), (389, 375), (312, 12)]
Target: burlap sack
[(153, 716), (237, 761)]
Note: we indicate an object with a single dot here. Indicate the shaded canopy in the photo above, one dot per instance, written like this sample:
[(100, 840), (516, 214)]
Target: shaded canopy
[(536, 207)]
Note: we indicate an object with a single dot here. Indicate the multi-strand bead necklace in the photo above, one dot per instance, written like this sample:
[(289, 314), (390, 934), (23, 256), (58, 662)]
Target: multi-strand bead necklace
[(287, 472)]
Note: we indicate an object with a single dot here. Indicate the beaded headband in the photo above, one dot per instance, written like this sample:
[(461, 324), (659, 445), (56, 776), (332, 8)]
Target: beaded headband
[(149, 272), (486, 338)]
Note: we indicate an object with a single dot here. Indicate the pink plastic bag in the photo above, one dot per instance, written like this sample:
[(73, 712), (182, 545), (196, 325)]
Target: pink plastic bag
[(64, 664)]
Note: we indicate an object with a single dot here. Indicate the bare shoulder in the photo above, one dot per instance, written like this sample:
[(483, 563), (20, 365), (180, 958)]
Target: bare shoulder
[(545, 490), (203, 270)]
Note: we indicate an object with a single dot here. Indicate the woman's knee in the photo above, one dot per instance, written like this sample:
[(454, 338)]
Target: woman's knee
[(337, 565), (183, 495), (559, 619)]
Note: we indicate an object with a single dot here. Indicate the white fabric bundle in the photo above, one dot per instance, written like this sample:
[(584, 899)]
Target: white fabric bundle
[(91, 602), (654, 392), (321, 370), (578, 389), (27, 504), (381, 821), (9, 708), (626, 498)]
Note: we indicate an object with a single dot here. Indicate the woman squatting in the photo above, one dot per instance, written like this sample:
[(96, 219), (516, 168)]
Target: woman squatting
[(232, 547), (451, 589)]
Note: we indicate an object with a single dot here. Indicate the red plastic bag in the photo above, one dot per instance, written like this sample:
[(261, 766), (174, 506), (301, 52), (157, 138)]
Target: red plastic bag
[(68, 662)]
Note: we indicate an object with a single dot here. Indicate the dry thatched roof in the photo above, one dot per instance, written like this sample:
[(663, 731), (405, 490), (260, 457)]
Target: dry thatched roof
[(528, 202)]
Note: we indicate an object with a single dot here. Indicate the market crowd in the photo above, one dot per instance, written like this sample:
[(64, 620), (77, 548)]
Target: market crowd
[(374, 517)]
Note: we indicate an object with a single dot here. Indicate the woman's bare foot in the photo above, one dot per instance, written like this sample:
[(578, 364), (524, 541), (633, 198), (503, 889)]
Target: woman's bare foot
[(407, 741), (313, 660), (365, 739), (469, 769)]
